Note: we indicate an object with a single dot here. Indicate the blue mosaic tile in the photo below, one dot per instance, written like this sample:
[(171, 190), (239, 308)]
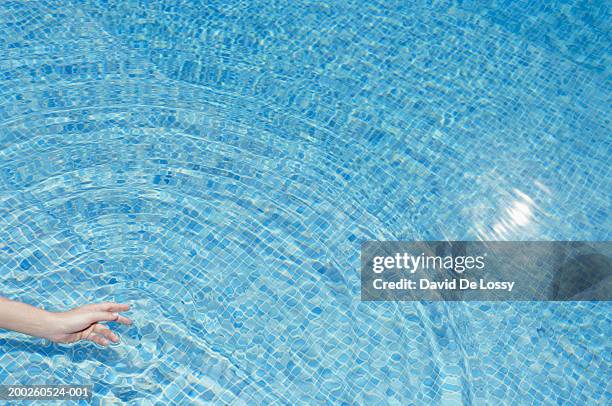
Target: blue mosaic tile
[(217, 165)]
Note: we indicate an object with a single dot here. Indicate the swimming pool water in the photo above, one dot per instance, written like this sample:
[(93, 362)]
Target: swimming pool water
[(217, 164)]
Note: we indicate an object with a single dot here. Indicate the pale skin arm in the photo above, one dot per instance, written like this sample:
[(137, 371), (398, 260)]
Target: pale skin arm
[(81, 323)]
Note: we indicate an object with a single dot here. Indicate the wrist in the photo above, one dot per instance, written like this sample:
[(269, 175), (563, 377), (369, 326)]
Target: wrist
[(51, 325), (39, 323)]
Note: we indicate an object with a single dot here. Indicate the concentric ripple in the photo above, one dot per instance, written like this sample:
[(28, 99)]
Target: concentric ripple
[(217, 165)]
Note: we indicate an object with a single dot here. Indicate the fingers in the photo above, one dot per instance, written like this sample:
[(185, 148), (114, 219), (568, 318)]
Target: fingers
[(123, 320), (89, 316), (95, 317), (108, 307), (105, 333), (107, 312), (114, 307), (102, 335), (98, 339)]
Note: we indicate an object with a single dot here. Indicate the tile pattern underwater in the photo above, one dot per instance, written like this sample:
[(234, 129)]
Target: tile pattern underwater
[(217, 164)]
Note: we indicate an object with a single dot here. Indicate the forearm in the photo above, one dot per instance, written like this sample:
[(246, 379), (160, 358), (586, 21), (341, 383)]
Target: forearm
[(24, 318)]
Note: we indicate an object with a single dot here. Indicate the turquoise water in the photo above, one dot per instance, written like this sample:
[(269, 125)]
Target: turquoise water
[(217, 165)]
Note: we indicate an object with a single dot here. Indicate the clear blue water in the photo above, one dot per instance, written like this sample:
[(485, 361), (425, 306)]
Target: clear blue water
[(217, 164)]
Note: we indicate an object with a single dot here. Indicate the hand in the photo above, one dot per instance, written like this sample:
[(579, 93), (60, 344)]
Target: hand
[(83, 323)]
